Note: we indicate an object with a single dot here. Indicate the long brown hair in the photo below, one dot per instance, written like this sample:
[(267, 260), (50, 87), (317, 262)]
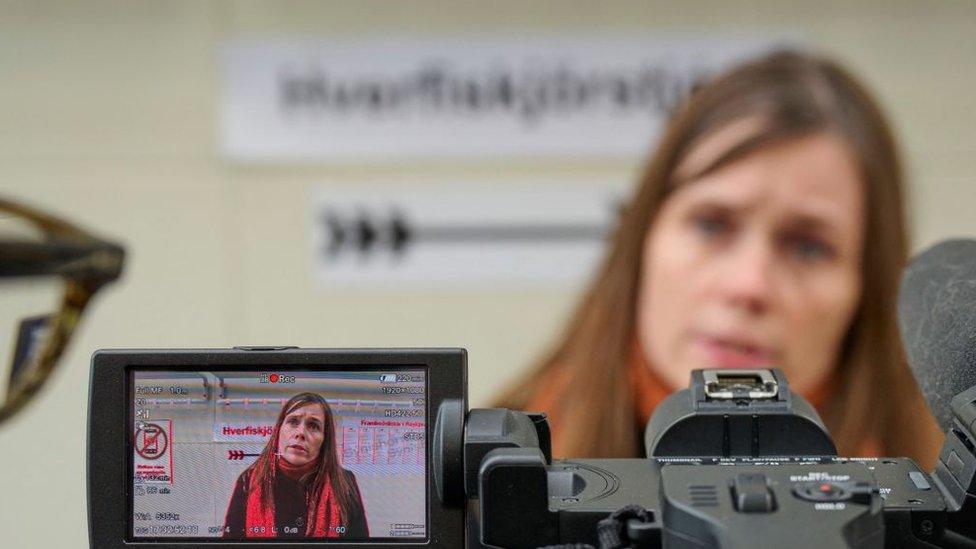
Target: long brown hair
[(791, 95), (264, 469)]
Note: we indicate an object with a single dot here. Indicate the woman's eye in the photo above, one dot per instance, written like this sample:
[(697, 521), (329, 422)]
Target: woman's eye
[(313, 426), (711, 225), (810, 249), (292, 422)]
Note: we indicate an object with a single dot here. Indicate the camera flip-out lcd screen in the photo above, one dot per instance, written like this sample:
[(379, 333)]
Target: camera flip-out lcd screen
[(279, 454)]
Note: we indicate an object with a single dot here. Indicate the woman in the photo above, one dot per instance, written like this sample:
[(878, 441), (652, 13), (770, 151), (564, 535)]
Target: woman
[(296, 487), (768, 231)]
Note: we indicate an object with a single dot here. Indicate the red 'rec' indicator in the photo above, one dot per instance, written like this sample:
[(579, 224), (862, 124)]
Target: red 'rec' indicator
[(273, 378)]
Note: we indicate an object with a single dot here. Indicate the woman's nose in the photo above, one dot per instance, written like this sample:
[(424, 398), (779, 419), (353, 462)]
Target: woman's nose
[(747, 280)]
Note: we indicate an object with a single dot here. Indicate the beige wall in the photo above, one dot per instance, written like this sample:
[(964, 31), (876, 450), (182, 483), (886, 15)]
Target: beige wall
[(107, 114)]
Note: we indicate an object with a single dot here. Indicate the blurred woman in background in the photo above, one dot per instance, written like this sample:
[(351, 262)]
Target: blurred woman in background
[(768, 230)]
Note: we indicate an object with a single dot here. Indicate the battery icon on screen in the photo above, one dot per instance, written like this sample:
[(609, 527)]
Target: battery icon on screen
[(388, 378)]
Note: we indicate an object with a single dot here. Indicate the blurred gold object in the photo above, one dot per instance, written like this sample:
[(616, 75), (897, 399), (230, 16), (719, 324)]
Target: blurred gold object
[(80, 261)]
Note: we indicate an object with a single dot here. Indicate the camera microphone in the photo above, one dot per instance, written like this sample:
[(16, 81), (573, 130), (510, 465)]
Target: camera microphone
[(936, 307)]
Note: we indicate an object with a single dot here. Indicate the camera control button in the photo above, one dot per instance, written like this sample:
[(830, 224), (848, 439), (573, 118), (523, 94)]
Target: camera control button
[(751, 493), (919, 480), (821, 491)]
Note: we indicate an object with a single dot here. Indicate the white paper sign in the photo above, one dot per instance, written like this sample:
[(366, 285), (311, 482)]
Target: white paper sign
[(399, 99), (459, 235)]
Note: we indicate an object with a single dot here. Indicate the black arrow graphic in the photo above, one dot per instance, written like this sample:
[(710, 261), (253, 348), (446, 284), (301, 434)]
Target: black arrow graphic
[(237, 455), (363, 233)]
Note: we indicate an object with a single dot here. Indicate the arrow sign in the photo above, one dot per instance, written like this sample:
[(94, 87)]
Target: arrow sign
[(365, 233), (238, 455), (461, 236)]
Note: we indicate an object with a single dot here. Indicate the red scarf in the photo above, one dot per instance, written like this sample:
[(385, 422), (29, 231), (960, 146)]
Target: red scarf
[(322, 521)]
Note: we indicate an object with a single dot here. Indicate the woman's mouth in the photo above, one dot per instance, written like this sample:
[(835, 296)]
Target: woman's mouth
[(297, 448), (722, 352)]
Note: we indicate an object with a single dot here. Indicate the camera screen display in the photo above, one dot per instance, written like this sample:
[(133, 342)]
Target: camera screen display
[(279, 454)]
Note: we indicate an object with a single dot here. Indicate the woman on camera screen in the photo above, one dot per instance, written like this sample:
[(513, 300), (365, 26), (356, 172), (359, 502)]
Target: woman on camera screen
[(296, 487), (768, 230)]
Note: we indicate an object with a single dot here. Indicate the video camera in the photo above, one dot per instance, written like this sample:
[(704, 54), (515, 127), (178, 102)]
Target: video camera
[(736, 460)]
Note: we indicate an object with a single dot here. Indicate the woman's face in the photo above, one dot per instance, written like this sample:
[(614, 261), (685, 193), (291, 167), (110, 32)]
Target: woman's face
[(756, 264), (301, 435)]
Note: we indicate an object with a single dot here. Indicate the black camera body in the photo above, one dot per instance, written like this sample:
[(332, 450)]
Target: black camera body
[(736, 460)]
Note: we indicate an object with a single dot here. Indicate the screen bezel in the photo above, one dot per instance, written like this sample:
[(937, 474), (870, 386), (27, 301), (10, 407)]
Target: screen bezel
[(109, 431)]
